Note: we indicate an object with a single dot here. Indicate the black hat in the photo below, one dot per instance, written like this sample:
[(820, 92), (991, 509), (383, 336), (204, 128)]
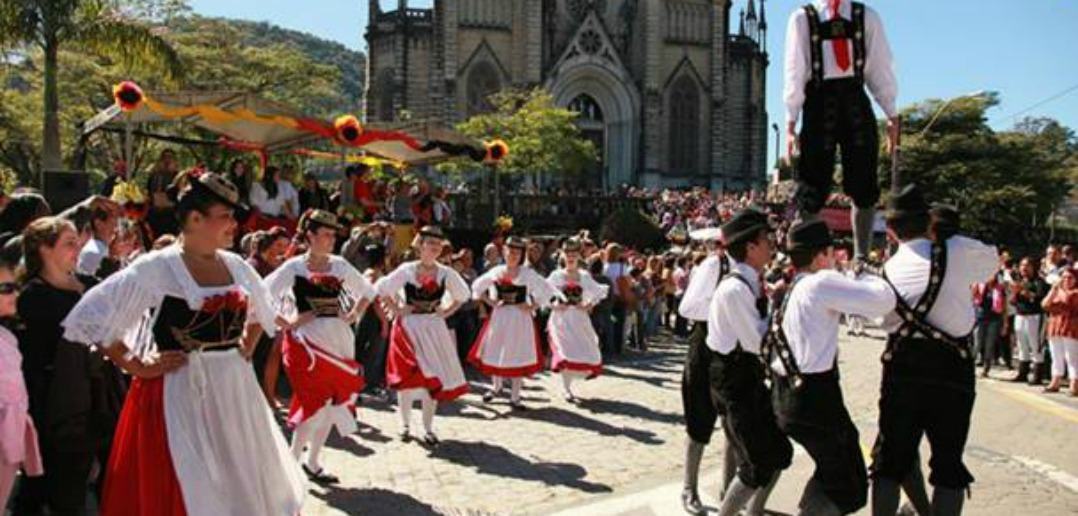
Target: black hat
[(907, 202), (432, 232), (516, 242), (808, 236), (314, 218), (946, 215), (744, 226)]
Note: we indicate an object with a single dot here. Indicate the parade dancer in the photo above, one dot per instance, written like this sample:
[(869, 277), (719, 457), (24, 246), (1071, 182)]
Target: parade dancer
[(834, 49), (574, 345), (736, 326), (423, 364), (701, 412), (508, 344), (196, 435), (802, 349), (312, 292), (928, 378)]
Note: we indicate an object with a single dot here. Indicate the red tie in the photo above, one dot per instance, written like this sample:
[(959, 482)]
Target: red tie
[(841, 46)]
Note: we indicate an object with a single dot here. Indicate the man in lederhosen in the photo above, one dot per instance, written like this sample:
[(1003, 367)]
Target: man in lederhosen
[(736, 325), (802, 349), (834, 48), (928, 378), (701, 413)]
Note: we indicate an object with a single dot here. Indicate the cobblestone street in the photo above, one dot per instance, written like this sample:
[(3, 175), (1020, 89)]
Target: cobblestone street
[(620, 450)]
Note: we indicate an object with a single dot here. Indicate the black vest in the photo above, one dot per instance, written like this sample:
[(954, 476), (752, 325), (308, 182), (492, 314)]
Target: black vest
[(511, 294), (424, 300), (217, 325), (319, 294)]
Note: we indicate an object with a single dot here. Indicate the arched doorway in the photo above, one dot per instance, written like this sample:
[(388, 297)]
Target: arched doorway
[(592, 128)]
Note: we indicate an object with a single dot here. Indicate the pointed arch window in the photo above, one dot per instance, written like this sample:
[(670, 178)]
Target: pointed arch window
[(684, 126), (483, 81)]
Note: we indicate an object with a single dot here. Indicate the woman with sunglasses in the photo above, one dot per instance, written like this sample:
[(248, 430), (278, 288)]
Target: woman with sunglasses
[(319, 297), (195, 435), (422, 364), (508, 345), (74, 394), (574, 345), (18, 436)]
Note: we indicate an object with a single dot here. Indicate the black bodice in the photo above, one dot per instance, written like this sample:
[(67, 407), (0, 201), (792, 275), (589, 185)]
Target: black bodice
[(319, 294), (217, 325), (511, 294), (424, 299), (573, 293)]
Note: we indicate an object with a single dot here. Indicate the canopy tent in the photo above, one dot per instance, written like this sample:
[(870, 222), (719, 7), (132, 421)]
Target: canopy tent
[(248, 122)]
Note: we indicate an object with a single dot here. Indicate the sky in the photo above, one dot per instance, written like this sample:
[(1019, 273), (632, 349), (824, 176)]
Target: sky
[(1027, 50)]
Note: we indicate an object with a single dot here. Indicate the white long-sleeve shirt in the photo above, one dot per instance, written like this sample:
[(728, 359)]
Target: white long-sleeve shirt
[(969, 261), (732, 316), (879, 63), (813, 309), (703, 279)]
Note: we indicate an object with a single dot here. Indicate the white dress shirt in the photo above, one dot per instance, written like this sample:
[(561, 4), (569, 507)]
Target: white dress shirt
[(968, 261), (879, 70), (732, 316), (702, 282), (813, 309)]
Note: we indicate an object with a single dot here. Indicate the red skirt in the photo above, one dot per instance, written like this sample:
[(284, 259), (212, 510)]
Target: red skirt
[(403, 370), (318, 376), (140, 480)]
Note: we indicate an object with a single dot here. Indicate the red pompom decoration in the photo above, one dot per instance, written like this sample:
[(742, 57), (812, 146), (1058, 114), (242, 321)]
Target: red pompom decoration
[(127, 95), (497, 150), (348, 129)]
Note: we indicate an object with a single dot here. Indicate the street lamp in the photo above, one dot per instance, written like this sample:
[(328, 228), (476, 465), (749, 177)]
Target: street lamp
[(775, 127)]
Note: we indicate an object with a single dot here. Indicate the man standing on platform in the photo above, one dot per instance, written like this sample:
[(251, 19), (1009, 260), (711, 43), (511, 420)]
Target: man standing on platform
[(834, 48), (928, 378)]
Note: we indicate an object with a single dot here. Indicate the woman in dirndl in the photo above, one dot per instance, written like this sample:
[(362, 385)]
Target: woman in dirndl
[(508, 345), (195, 435), (422, 364), (574, 345), (319, 297)]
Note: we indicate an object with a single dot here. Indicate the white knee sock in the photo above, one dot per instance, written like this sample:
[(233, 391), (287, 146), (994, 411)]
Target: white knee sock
[(318, 440), (567, 382), (516, 383), (301, 435), (429, 406), (497, 382), (405, 398)]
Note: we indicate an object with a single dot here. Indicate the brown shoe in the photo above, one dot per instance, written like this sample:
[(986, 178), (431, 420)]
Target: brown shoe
[(1054, 385)]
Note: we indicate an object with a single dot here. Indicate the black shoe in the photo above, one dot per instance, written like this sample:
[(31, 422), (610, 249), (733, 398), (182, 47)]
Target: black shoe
[(488, 397), (430, 439), (691, 502), (517, 406), (320, 477), (571, 399), (406, 436)]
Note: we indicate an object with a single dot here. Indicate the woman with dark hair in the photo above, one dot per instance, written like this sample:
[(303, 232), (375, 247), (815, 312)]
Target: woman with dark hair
[(270, 202), (320, 296), (162, 217), (312, 196), (195, 435), (75, 395), (21, 210), (239, 175), (574, 346), (422, 364)]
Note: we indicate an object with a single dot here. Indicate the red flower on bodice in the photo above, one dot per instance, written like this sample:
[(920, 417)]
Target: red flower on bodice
[(326, 281), (505, 281), (428, 284), (572, 288), (233, 301)]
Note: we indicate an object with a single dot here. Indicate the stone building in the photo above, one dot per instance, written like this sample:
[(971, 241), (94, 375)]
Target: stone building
[(669, 90)]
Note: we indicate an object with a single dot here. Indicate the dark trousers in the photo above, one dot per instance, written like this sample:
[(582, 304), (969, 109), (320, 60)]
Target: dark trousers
[(371, 350), (603, 323), (986, 338), (701, 412), (737, 386), (63, 488), (616, 337), (815, 416), (837, 117), (927, 390)]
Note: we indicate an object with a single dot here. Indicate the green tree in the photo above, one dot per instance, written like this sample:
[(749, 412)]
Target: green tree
[(1006, 182), (541, 136), (93, 26)]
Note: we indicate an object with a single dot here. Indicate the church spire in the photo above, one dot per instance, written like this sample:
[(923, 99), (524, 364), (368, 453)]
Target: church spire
[(763, 27), (750, 22), (741, 25)]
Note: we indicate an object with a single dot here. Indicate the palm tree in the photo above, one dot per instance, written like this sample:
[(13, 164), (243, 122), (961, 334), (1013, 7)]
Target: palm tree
[(92, 25)]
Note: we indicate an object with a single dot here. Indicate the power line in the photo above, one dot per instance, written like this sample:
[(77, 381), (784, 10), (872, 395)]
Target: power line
[(1041, 103)]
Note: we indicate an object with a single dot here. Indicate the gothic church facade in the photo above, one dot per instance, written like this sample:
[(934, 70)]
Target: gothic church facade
[(669, 91)]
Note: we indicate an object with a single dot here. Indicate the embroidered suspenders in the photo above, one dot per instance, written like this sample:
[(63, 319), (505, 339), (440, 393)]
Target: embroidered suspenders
[(820, 31), (914, 321), (775, 342)]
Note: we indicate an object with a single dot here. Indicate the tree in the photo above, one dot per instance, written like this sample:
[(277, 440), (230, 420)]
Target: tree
[(94, 26), (541, 136), (1006, 183)]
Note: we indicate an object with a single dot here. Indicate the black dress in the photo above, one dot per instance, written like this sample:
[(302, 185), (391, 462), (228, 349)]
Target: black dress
[(75, 399)]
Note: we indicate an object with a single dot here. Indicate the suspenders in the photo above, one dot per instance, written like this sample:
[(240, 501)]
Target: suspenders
[(761, 308), (820, 31), (914, 323), (775, 342)]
